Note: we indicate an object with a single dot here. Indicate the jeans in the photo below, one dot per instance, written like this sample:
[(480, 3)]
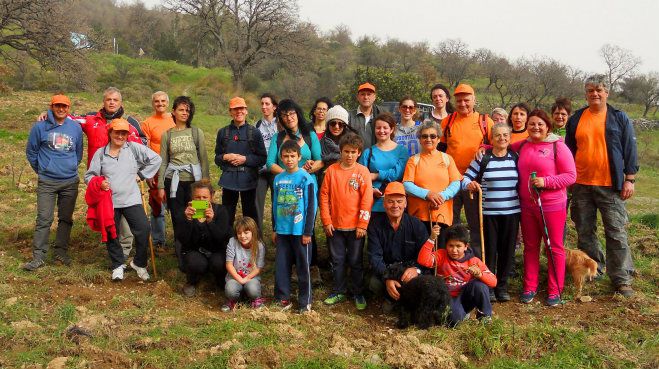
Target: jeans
[(252, 288), (158, 229), (139, 226), (289, 251), (48, 194), (473, 295), (347, 252)]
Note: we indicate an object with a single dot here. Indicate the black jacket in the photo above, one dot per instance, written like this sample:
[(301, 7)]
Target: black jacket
[(213, 236)]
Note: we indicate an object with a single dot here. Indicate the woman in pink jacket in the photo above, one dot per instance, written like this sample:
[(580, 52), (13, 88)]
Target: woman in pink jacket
[(545, 154)]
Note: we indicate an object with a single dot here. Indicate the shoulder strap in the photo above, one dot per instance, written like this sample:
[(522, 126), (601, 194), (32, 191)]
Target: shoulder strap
[(446, 158), (483, 165), (250, 137), (416, 159), (451, 119), (482, 121)]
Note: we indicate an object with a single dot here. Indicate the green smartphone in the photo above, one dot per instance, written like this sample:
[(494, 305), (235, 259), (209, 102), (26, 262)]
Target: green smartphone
[(200, 207)]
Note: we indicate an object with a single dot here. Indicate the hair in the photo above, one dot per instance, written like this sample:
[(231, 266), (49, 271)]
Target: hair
[(112, 90), (458, 232), (449, 107), (542, 115), (429, 125), (160, 93), (270, 96), (248, 224), (562, 103), (288, 105), (389, 119), (519, 105), (185, 101), (500, 111), (408, 97), (597, 80), (201, 184), (290, 145), (353, 140), (502, 125), (324, 99)]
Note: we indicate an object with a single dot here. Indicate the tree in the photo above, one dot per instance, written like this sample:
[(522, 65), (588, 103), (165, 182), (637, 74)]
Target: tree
[(246, 31), (642, 89), (620, 63), (453, 60)]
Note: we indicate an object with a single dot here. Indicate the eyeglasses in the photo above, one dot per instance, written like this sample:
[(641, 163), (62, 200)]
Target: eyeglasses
[(289, 115), (320, 109), (336, 123), (407, 107), (429, 136)]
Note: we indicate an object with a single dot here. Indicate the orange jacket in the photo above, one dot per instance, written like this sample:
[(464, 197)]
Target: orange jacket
[(346, 197)]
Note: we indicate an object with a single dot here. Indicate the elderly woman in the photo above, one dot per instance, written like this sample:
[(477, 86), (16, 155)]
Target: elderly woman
[(517, 121), (499, 115), (114, 168), (318, 116), (550, 161), (496, 173), (432, 180)]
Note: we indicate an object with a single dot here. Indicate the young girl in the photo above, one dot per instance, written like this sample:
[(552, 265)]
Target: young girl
[(245, 259)]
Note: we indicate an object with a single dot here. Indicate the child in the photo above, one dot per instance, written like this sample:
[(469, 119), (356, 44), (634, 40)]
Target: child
[(293, 217), (346, 197), (466, 276), (245, 259)]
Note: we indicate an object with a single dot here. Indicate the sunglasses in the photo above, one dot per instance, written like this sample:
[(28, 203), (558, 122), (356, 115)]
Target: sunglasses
[(406, 107), (429, 136), (336, 123)]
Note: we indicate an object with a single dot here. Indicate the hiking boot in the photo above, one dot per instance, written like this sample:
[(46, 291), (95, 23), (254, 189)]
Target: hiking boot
[(228, 306), (141, 272), (360, 302), (334, 299), (305, 309), (502, 296), (63, 258), (493, 297), (554, 300), (284, 305), (34, 264), (118, 273), (258, 303), (189, 290), (625, 290), (527, 297)]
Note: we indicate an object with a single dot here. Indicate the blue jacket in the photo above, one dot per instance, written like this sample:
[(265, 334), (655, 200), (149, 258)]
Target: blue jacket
[(55, 150), (236, 140), (620, 143)]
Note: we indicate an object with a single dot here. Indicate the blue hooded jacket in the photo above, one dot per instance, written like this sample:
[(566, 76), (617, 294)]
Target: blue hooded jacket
[(55, 150)]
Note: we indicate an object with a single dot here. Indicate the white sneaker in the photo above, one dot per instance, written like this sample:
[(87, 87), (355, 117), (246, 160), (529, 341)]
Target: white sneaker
[(141, 272), (118, 273)]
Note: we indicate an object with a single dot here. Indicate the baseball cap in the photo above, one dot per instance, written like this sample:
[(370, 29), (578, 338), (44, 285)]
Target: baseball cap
[(237, 102), (60, 99), (366, 86), (119, 124), (463, 88), (394, 188)]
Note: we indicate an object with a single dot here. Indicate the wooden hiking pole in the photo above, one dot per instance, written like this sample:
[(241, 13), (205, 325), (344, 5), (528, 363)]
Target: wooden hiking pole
[(480, 218), (153, 254), (436, 245)]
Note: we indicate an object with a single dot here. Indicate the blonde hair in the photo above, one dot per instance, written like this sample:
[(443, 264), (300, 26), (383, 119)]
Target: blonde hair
[(248, 224)]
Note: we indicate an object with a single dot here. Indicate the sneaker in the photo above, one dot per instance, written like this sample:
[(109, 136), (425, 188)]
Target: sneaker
[(625, 290), (118, 273), (63, 258), (485, 320), (305, 309), (189, 290), (360, 302), (335, 298), (34, 264), (502, 296), (554, 300), (141, 272), (258, 303), (284, 305), (493, 297), (228, 306), (527, 297)]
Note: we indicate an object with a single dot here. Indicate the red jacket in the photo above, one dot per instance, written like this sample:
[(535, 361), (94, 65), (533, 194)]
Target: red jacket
[(95, 127), (100, 210)]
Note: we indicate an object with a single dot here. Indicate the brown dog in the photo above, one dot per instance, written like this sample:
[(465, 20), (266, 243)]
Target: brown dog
[(580, 266)]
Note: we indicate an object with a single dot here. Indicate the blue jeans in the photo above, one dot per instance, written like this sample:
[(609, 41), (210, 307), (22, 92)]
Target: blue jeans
[(291, 250), (347, 251), (158, 229), (474, 295)]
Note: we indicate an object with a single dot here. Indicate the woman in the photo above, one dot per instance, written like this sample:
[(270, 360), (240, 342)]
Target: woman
[(517, 121), (406, 131), (550, 161), (318, 115), (337, 126), (115, 167), (385, 160), (440, 97), (560, 111), (496, 174), (499, 115), (432, 180)]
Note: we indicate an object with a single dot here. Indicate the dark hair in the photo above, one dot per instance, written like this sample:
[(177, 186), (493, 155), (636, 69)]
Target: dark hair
[(290, 145), (562, 103), (203, 183), (352, 139), (324, 99), (288, 105), (389, 119), (439, 86), (542, 115), (184, 100), (519, 105), (270, 96), (458, 232)]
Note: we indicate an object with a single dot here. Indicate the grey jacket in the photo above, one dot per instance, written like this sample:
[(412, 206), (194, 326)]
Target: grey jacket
[(358, 122)]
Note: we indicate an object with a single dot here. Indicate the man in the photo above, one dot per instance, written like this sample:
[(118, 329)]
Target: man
[(268, 127), (463, 132), (362, 119), (153, 127), (603, 142), (394, 238), (54, 150)]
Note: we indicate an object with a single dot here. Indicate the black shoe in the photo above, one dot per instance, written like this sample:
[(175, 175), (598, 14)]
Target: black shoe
[(493, 297), (502, 296), (63, 258), (32, 265)]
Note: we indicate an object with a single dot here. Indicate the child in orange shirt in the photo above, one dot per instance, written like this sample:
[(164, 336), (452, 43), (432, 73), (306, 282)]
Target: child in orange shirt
[(346, 198), (468, 279)]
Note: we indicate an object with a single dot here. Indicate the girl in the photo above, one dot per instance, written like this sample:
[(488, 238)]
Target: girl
[(245, 259)]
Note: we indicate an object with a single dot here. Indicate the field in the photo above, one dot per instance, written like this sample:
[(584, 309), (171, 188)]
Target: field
[(74, 317)]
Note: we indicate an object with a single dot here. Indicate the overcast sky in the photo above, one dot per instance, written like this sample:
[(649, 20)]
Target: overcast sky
[(571, 31)]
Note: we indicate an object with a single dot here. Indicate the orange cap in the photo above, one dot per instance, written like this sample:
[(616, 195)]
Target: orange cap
[(119, 124), (60, 99), (394, 188), (366, 86), (463, 88), (237, 102)]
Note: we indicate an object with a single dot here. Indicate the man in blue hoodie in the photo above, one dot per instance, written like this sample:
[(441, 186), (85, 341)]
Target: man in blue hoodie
[(54, 150)]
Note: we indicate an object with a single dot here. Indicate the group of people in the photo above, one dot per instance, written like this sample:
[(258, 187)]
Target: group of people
[(401, 185)]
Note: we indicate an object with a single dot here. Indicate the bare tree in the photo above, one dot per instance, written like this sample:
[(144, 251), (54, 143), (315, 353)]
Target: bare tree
[(642, 89), (491, 65), (453, 60), (620, 63)]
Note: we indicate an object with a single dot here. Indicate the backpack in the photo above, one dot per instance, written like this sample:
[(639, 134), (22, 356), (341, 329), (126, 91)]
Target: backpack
[(486, 159), (133, 150), (195, 138), (250, 138), (482, 123), (447, 159)]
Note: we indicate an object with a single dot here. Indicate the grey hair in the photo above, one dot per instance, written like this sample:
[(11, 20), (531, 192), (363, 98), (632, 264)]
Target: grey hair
[(500, 111), (112, 90), (597, 80), (429, 125), (504, 125), (160, 93)]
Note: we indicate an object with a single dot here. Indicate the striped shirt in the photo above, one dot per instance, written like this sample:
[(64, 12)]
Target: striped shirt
[(499, 184)]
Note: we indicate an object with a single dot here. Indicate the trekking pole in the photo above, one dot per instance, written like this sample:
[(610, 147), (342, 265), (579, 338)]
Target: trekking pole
[(548, 241), (480, 218), (153, 254)]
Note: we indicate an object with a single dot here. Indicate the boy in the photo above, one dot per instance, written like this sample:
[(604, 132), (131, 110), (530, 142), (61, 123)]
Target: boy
[(346, 197), (293, 217), (466, 276)]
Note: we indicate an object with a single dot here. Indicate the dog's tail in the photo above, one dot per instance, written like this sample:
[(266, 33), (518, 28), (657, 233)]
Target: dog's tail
[(591, 265)]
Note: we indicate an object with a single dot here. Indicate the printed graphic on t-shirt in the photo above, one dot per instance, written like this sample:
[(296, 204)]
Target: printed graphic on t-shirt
[(288, 200), (410, 141), (184, 148), (61, 142), (243, 268)]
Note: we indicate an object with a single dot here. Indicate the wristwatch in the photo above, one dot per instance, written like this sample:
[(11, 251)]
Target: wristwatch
[(632, 180), (418, 271)]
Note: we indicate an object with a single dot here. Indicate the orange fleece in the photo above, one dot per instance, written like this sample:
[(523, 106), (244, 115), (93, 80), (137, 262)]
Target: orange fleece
[(466, 137), (153, 127), (592, 160), (346, 197)]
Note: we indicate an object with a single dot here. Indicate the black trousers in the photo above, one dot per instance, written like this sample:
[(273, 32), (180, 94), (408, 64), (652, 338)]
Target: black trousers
[(247, 202), (500, 233), (139, 226), (197, 264), (178, 204)]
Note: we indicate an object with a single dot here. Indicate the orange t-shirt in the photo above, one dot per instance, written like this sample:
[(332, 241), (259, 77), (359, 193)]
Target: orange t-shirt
[(592, 160), (466, 137), (153, 127), (432, 172), (519, 136), (346, 197)]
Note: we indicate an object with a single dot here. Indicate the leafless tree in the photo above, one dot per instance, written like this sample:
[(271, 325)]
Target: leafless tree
[(491, 65), (642, 89), (453, 60), (620, 63)]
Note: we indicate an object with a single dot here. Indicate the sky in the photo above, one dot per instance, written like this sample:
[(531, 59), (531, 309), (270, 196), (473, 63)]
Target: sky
[(570, 31)]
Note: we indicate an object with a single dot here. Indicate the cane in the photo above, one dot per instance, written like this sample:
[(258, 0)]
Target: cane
[(153, 254), (432, 223), (480, 218), (544, 225)]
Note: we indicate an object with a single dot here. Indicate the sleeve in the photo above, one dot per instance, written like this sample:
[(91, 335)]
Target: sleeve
[(32, 148), (275, 195), (258, 158), (421, 238), (515, 146), (408, 181), (164, 157), (79, 144), (219, 150), (375, 250), (450, 191), (363, 159), (219, 228), (148, 162), (203, 155), (325, 215), (310, 217), (231, 250), (94, 166), (315, 147), (327, 151), (260, 261), (366, 199), (133, 122), (472, 172), (272, 152), (187, 233), (566, 172), (426, 258), (629, 149), (395, 173), (488, 277)]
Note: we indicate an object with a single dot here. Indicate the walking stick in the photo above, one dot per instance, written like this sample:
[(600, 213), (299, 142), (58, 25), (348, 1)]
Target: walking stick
[(153, 254), (544, 225), (480, 218), (432, 223)]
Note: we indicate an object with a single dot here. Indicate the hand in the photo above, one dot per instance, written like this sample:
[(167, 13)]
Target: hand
[(374, 176), (538, 182), (306, 240), (162, 196), (105, 185), (208, 213), (435, 199), (480, 153), (189, 211), (228, 157), (42, 116), (475, 271), (274, 238), (627, 190), (473, 186), (329, 230), (360, 233), (151, 183), (308, 165), (434, 232), (409, 274), (377, 193), (238, 160), (392, 288)]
